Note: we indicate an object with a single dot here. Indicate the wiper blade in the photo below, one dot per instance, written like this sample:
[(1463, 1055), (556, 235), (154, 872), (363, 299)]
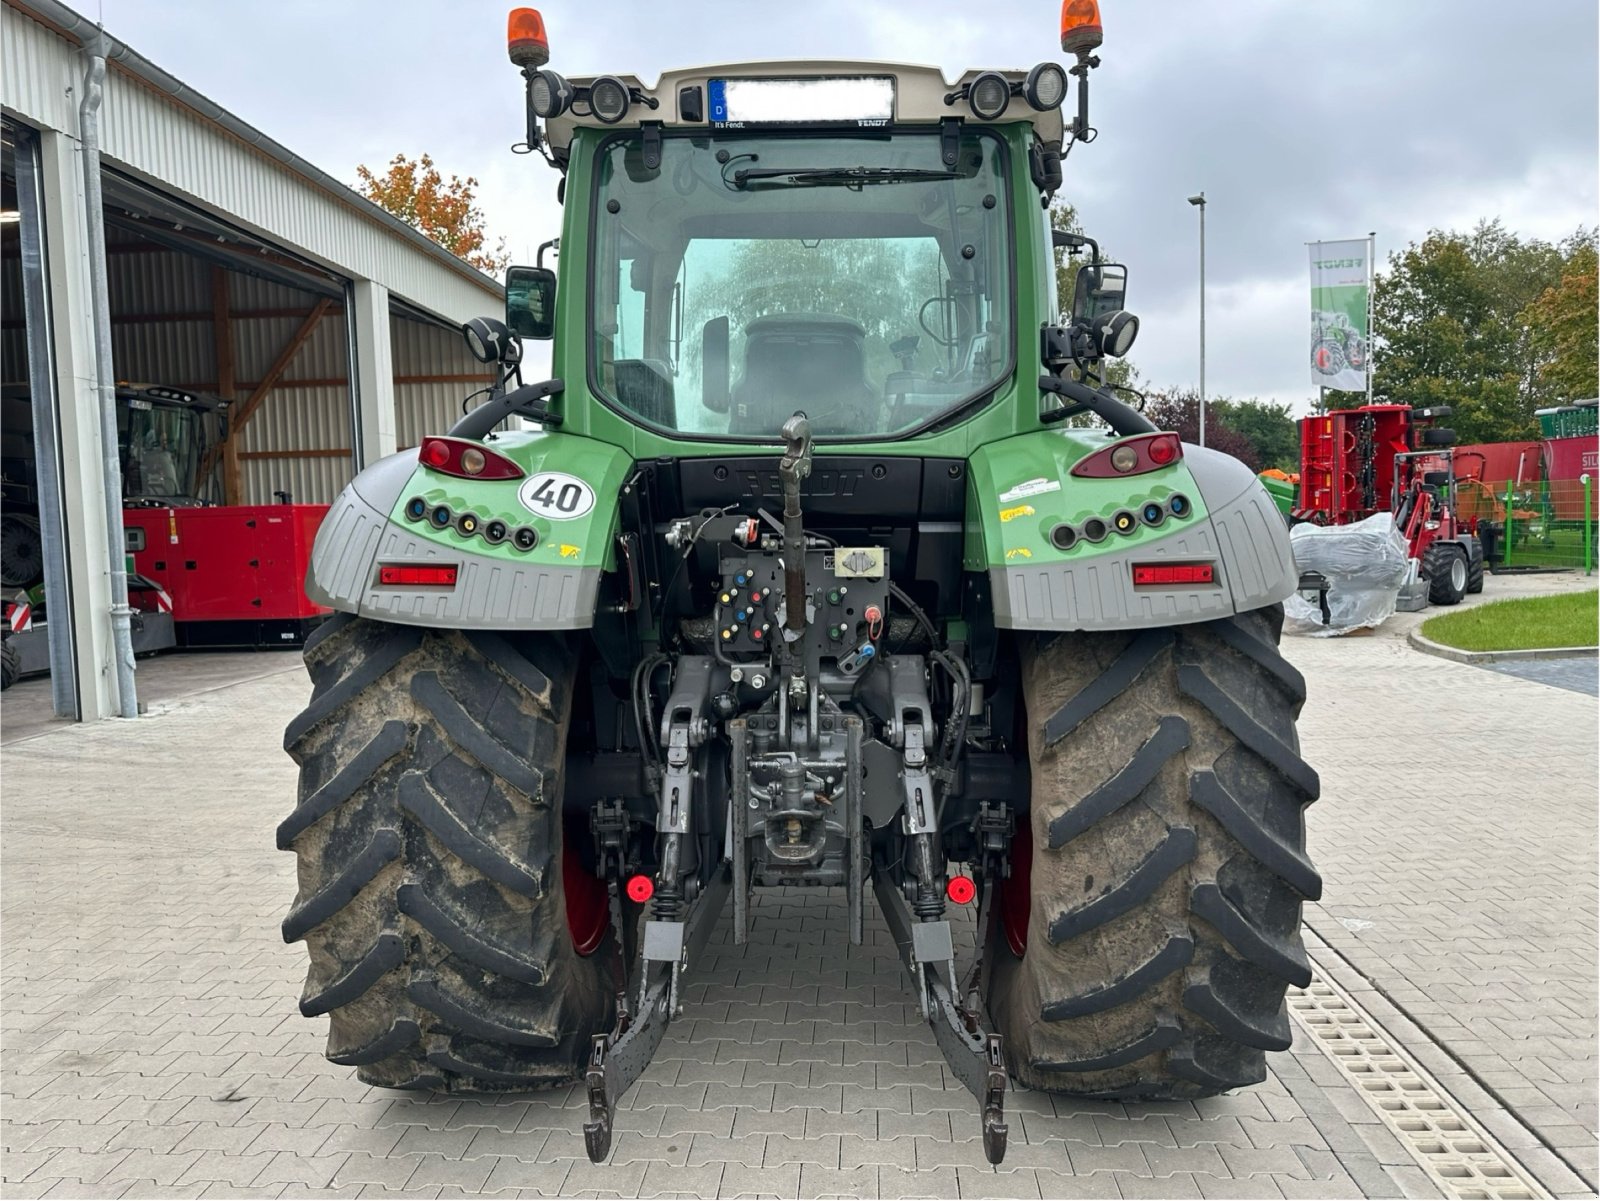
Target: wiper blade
[(850, 177)]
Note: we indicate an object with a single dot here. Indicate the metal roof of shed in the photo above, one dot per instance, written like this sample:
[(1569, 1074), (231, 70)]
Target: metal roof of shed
[(158, 128)]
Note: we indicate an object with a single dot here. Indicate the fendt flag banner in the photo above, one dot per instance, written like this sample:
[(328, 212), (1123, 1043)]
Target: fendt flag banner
[(1339, 275)]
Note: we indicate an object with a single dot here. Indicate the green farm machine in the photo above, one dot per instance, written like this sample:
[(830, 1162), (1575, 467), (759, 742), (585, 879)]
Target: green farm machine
[(799, 572)]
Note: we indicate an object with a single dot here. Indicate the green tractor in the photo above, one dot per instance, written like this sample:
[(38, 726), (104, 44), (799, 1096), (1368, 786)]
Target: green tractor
[(798, 574)]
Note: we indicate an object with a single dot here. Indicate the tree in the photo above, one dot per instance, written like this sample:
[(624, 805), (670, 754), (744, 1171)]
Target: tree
[(1064, 217), (414, 191), (1178, 410), (1453, 324), (1270, 428), (1564, 328)]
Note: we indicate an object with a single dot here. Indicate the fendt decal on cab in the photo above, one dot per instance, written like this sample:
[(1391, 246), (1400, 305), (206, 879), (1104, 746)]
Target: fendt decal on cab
[(824, 559)]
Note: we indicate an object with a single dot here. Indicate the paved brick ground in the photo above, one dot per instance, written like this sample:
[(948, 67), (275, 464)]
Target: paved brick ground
[(1576, 674), (152, 1046), (1457, 840)]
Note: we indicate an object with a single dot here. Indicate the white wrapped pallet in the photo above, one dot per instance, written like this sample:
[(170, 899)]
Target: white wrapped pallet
[(1365, 565)]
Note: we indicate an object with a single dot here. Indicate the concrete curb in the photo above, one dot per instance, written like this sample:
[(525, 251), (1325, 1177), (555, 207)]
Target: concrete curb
[(1429, 647)]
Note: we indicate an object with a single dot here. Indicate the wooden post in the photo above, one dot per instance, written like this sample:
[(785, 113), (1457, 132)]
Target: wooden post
[(239, 415), (222, 339)]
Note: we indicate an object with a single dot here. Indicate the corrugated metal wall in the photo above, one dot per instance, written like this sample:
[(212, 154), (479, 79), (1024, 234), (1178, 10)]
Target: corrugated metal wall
[(433, 371), (299, 439), (158, 139)]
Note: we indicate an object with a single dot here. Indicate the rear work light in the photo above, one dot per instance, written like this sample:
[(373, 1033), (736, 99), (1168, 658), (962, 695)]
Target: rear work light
[(1170, 574), (466, 459), (418, 575), (1131, 456)]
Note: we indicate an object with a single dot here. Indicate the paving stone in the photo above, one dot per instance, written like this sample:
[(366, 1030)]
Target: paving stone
[(1056, 1184), (782, 1149), (990, 1182), (894, 1183), (508, 1173), (217, 1167), (782, 1183), (86, 1167), (849, 1183), (668, 1180), (1182, 1185)]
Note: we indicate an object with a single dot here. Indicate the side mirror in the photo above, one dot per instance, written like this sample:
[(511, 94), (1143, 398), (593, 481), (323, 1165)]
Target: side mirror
[(490, 341), (531, 302), (715, 388), (1100, 291)]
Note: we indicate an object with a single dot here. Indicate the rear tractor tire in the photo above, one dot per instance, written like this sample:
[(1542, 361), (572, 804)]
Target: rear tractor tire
[(1151, 924), (10, 664), (1475, 569), (454, 937), (1448, 572)]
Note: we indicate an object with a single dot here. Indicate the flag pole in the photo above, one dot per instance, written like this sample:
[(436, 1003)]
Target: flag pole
[(1372, 252)]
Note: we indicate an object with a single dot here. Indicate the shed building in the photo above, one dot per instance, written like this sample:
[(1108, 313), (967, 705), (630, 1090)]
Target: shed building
[(231, 267)]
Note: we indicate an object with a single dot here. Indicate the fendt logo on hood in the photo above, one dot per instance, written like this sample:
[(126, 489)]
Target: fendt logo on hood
[(822, 482)]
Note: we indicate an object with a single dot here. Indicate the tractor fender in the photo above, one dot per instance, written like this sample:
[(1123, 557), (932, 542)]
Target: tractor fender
[(553, 586), (1035, 585)]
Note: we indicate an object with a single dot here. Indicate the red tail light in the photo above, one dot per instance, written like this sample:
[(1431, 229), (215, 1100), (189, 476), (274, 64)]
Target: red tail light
[(418, 575), (1131, 456), (961, 890), (641, 889), (467, 459), (1174, 573)]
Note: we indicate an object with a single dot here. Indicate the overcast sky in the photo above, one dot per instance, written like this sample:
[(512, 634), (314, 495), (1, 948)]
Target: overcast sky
[(1299, 120)]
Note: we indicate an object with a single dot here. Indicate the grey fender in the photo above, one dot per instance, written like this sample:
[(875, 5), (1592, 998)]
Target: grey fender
[(1243, 534), (490, 593)]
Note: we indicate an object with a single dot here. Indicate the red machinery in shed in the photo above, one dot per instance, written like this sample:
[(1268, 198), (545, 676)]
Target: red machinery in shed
[(1355, 463), (233, 575)]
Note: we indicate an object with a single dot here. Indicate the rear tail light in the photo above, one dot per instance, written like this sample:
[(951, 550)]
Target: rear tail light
[(1169, 574), (641, 889), (468, 460), (418, 575), (961, 889), (1131, 456)]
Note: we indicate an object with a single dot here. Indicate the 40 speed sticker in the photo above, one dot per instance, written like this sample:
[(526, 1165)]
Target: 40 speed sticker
[(556, 495)]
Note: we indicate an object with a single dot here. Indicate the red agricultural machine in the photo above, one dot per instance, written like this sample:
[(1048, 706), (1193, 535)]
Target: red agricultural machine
[(1355, 463)]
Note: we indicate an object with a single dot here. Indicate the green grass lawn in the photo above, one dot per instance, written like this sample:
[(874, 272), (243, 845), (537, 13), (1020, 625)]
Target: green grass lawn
[(1513, 625)]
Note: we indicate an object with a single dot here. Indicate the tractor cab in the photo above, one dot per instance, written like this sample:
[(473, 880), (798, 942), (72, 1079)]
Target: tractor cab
[(164, 437)]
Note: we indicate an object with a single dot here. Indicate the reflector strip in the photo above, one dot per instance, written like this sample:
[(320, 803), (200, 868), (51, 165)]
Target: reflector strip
[(1174, 573), (419, 575)]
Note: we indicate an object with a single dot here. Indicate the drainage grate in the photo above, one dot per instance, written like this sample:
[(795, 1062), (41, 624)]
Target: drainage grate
[(1460, 1156)]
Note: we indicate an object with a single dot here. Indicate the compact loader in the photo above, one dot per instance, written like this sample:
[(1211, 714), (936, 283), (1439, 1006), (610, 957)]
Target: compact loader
[(828, 559)]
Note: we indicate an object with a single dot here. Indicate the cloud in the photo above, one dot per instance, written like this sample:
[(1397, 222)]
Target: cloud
[(1300, 122)]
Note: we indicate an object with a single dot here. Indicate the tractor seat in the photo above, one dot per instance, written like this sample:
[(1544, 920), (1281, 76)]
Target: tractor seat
[(809, 362)]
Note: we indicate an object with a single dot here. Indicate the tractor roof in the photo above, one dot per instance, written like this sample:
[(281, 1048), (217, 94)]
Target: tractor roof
[(919, 97)]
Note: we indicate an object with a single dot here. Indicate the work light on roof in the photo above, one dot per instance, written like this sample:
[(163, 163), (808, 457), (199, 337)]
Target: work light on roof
[(1046, 87), (989, 95), (549, 93), (526, 41), (608, 99)]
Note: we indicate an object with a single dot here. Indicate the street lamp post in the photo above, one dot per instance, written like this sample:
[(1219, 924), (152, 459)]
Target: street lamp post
[(1199, 201)]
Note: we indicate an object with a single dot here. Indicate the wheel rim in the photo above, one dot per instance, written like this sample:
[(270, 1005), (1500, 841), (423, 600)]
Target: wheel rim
[(21, 553), (588, 908), (1015, 892), (1458, 572)]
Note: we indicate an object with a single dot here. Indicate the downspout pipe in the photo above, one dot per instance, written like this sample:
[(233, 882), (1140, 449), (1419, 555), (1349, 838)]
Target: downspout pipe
[(99, 302)]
